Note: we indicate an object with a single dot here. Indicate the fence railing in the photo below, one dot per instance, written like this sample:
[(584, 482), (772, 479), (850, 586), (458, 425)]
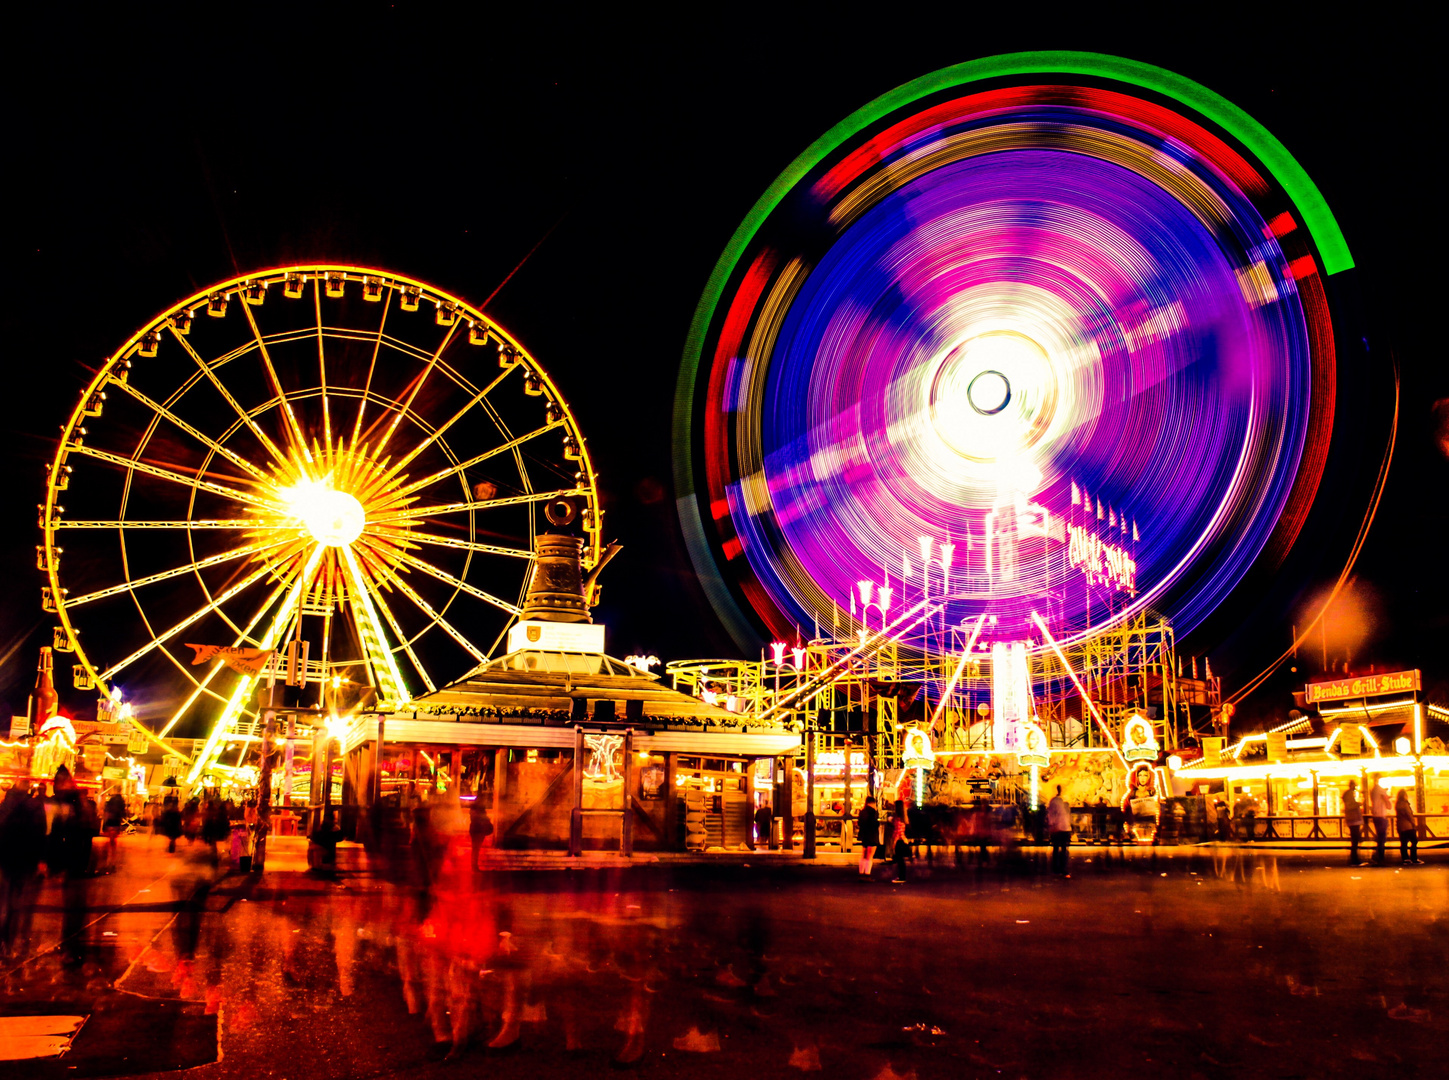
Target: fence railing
[(1296, 827)]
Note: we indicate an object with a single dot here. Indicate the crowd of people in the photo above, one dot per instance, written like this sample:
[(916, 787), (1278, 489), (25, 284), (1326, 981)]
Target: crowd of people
[(52, 835)]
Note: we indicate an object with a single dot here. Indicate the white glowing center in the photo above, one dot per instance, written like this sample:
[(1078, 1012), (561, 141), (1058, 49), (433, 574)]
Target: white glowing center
[(989, 392), (333, 518), (992, 396)]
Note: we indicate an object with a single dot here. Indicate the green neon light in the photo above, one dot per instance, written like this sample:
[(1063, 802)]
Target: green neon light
[(1291, 177)]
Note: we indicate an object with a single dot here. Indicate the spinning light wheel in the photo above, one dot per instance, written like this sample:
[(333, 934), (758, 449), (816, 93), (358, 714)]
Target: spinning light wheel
[(1059, 318), (321, 453)]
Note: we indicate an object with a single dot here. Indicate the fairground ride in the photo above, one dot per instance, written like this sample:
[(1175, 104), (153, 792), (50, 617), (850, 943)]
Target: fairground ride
[(1038, 349), (333, 462)]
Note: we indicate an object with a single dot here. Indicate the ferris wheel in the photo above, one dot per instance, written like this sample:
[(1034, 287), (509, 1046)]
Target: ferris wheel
[(320, 454), (1045, 334)]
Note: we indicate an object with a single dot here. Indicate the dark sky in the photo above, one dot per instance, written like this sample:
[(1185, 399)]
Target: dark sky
[(149, 155)]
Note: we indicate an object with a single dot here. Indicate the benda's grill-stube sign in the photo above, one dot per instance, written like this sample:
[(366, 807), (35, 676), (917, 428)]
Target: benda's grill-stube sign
[(1392, 682)]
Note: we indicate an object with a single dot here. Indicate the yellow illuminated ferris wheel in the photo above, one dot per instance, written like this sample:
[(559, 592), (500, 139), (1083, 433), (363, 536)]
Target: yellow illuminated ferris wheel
[(321, 454)]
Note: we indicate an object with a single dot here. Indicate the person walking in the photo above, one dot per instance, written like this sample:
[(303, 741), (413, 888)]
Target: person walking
[(1408, 830), (1353, 822), (764, 819), (69, 853), (1059, 826), (900, 849), (1379, 807), (169, 823), (868, 829), (112, 822)]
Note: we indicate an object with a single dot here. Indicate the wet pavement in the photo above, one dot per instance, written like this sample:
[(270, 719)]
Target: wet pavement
[(1178, 962)]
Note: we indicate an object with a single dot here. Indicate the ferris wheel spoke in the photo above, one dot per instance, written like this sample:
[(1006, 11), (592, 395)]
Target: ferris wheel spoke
[(453, 470), (299, 440), (371, 367), (437, 618), (157, 471), (484, 504), (406, 645), (201, 437), (399, 536), (422, 377), (195, 617), (456, 582), (322, 364), (390, 685), (201, 523), (179, 571), (221, 389), (442, 429), (237, 701), (243, 636)]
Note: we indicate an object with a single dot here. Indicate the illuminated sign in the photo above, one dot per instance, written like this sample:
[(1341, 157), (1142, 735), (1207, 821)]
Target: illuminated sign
[(1032, 743), (1010, 682), (1393, 682), (832, 763), (603, 749), (1138, 741), (535, 634), (1103, 563), (916, 752)]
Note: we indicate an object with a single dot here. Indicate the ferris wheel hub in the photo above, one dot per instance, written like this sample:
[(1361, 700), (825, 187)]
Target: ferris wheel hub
[(332, 518), (988, 397)]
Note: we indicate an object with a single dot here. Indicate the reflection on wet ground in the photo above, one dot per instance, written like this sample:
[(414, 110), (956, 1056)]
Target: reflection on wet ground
[(1189, 964)]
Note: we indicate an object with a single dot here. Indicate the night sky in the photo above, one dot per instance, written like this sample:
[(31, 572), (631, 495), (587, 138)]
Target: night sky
[(150, 155)]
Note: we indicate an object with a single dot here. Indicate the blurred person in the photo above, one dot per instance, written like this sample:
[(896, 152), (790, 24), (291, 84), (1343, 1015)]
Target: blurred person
[(191, 884), (869, 831), (1099, 821), (1379, 806), (899, 848), (1353, 822), (252, 823), (169, 822), (764, 819), (215, 825), (426, 854), (1408, 830), (1059, 825), (480, 828), (983, 830), (1248, 812), (22, 843), (191, 818), (322, 845), (68, 855), (112, 822)]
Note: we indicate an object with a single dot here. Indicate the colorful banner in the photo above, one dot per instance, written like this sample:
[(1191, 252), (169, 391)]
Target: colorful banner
[(242, 661), (1393, 682)]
